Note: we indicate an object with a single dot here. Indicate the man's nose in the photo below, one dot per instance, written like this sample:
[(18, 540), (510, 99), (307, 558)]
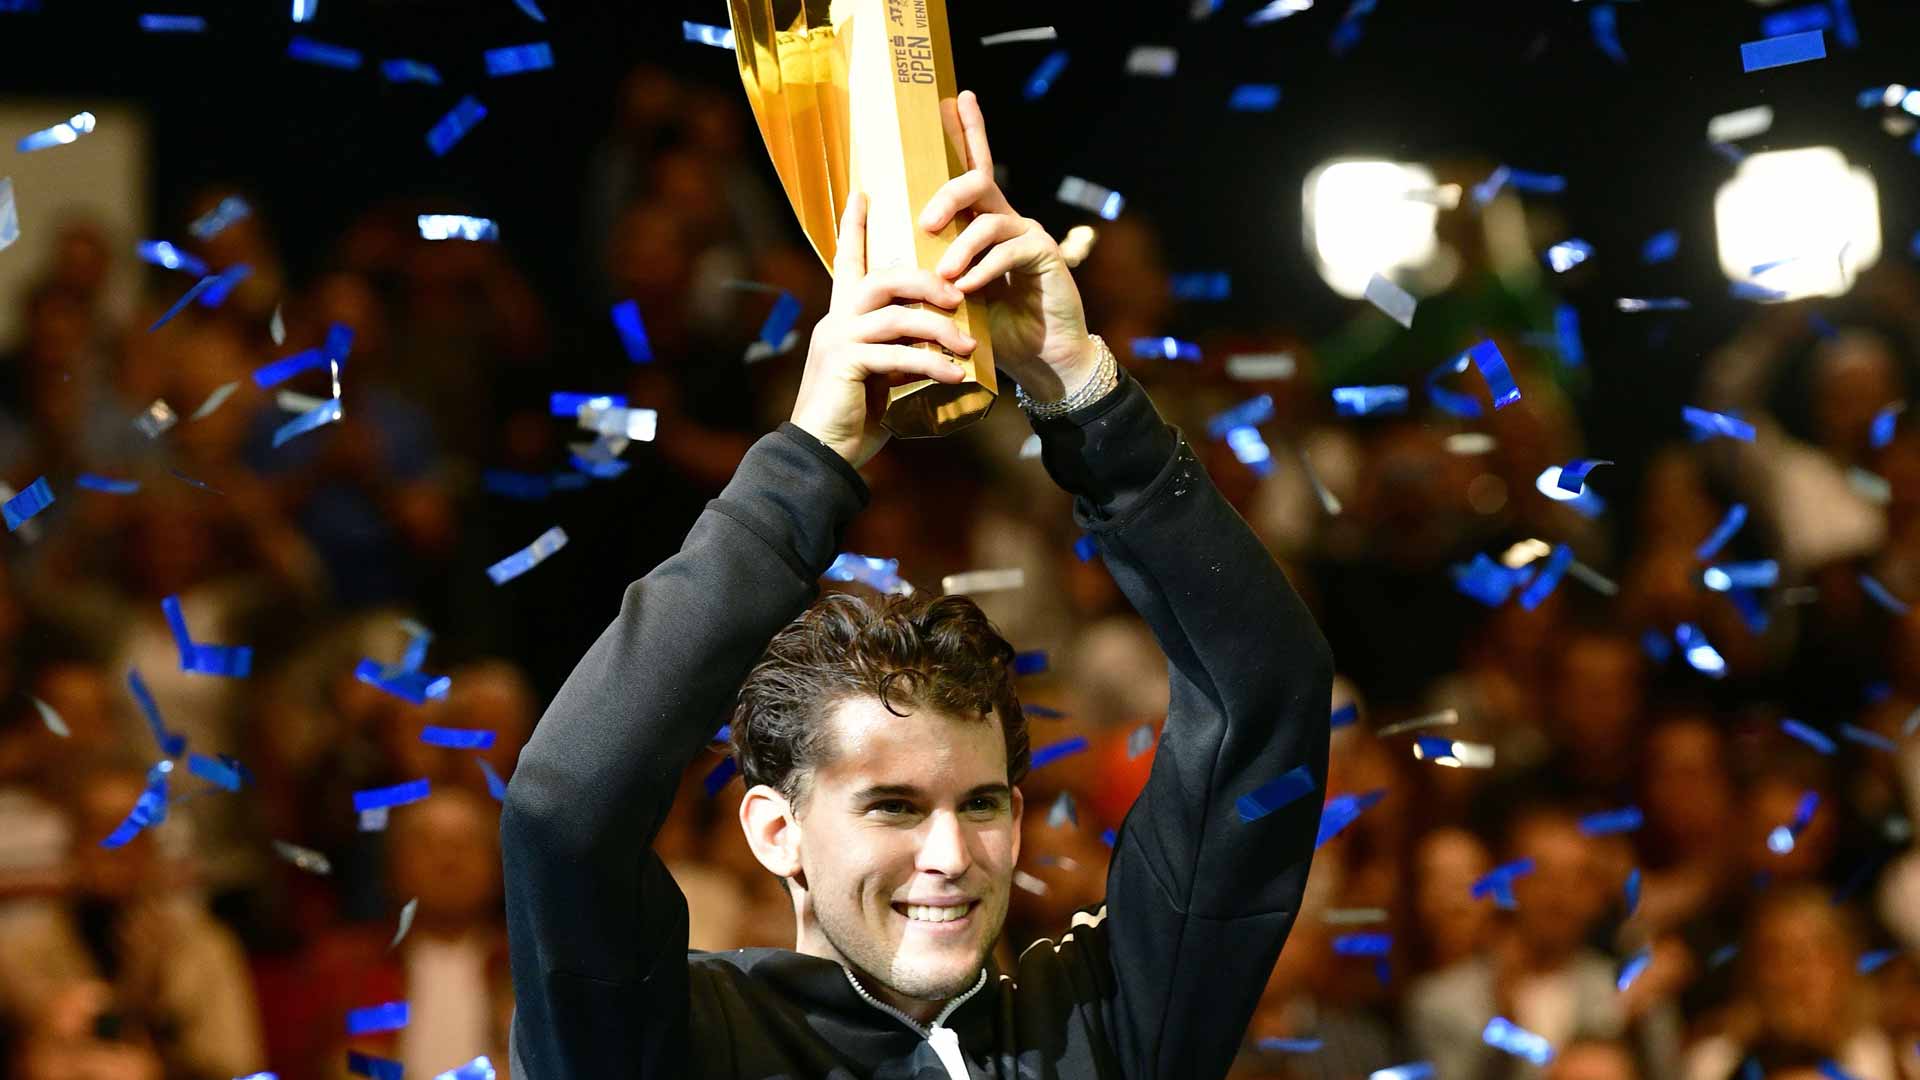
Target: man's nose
[(944, 848)]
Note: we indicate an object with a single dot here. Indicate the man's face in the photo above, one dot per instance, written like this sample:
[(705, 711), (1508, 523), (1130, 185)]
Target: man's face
[(909, 834)]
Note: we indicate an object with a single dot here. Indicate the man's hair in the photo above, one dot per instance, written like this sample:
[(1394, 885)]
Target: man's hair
[(903, 651)]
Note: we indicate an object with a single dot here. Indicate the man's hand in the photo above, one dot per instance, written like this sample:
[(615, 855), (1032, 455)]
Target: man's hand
[(1034, 312), (855, 356)]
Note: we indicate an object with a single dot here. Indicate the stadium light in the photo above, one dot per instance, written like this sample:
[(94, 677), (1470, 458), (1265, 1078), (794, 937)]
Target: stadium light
[(1797, 223), (1368, 216)]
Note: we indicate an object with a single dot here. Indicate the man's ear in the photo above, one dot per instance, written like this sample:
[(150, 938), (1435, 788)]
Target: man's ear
[(1019, 811), (773, 832)]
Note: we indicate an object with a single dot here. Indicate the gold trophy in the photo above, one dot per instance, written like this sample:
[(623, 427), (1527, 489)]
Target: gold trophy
[(859, 95)]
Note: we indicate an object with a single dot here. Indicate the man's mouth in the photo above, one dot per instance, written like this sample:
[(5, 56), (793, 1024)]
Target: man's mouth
[(936, 913)]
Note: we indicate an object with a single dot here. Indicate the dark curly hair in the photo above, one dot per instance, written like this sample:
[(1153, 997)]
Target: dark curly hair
[(938, 652)]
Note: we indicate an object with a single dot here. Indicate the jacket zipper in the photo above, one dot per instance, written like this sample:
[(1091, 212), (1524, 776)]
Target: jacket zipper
[(944, 1040)]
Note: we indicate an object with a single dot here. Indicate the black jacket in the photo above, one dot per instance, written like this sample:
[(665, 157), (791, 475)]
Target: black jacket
[(1159, 981)]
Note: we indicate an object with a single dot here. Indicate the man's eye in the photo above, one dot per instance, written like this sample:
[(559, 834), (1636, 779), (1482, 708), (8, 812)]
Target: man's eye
[(892, 808), (985, 804)]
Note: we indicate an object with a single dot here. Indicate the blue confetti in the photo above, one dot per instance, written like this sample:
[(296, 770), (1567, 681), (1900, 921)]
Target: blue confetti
[(1660, 247), (374, 1068), (1412, 1070), (170, 744), (453, 127), (1342, 811), (1493, 368), (1845, 31), (1536, 183), (719, 37), (287, 367), (567, 404), (1108, 836), (1498, 883), (528, 487), (1566, 330), (389, 1017), (1487, 581), (1344, 715), (1699, 653), (1255, 97), (223, 284), (1757, 574), (327, 412), (720, 774), (1873, 961), (781, 320), (496, 787), (533, 12), (148, 810), (396, 795), (1723, 532), (180, 305), (1363, 944), (1041, 712), (1208, 286), (9, 215), (1053, 752), (1604, 24), (1654, 644), (1752, 612), (1568, 254), (528, 557), (224, 773), (58, 135), (876, 573), (1085, 548), (1883, 422), (1032, 662), (1251, 450), (1542, 586), (1808, 735), (210, 224), (106, 485), (413, 686), (1165, 348), (456, 738), (308, 51), (1503, 1034), (1708, 425), (1857, 734), (1573, 475), (1783, 50), (168, 257), (633, 334), (17, 510), (1045, 74), (1452, 402), (1721, 956), (402, 70), (173, 24), (1879, 594), (1281, 791), (1832, 1071), (1290, 1046), (1797, 20), (457, 227), (1369, 400), (1610, 822), (519, 59), (1496, 181), (478, 1069), (1633, 968), (1632, 893)]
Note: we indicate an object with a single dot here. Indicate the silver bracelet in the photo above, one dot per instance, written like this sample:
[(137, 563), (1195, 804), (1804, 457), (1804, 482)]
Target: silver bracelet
[(1105, 377)]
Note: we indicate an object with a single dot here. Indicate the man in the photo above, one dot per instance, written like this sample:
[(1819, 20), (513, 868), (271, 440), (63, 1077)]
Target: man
[(881, 743)]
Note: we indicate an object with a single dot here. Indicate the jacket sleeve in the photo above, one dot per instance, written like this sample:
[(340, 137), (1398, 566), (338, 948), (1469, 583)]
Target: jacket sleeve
[(1198, 900), (598, 929)]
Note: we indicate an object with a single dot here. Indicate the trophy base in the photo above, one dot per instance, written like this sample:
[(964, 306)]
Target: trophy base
[(928, 409)]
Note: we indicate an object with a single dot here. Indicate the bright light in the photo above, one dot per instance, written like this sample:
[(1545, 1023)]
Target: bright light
[(1798, 223), (1367, 217)]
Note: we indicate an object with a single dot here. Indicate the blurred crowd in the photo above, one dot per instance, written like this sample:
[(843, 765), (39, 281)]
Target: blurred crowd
[(1766, 900)]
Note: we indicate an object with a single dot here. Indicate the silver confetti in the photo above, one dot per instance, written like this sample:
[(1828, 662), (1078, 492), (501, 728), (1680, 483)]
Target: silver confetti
[(51, 718), (214, 400), (1251, 366), (305, 858), (980, 581), (1008, 37), (156, 420), (1442, 718), (406, 921)]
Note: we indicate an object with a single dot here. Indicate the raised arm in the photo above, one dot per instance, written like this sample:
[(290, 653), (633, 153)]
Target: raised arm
[(598, 929), (1198, 901)]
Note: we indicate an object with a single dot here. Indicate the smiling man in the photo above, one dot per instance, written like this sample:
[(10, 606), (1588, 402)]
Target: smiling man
[(883, 745)]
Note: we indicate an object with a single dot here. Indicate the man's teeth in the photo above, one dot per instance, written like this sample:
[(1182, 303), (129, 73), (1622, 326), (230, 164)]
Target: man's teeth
[(922, 913)]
